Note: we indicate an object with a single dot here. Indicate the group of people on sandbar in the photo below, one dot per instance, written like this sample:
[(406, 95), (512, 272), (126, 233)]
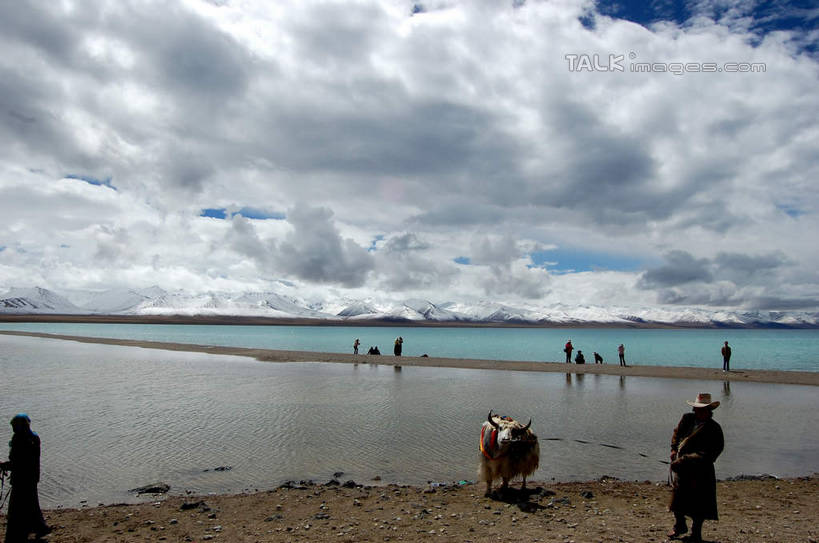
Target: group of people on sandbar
[(598, 359), (397, 348)]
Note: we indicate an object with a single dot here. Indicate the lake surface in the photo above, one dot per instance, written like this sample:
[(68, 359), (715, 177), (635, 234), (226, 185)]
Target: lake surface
[(113, 418), (752, 349)]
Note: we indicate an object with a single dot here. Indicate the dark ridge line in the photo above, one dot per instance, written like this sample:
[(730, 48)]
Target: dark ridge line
[(244, 320)]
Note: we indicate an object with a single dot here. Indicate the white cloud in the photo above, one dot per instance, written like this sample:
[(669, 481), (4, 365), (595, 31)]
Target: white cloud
[(456, 132)]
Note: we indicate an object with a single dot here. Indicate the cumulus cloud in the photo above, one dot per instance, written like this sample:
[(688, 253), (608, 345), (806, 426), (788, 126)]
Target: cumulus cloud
[(455, 131), (315, 251), (409, 264), (727, 279), (680, 268)]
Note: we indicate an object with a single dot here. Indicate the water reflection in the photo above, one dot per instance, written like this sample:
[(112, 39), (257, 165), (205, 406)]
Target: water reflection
[(274, 422), (726, 388)]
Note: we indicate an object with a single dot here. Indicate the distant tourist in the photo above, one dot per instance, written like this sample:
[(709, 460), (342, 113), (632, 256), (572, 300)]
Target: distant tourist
[(568, 350), (597, 358), (621, 352), (580, 359), (695, 445), (356, 343), (399, 342), (24, 515), (726, 357), (374, 350)]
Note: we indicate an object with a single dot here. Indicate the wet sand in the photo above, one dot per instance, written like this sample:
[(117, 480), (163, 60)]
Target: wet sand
[(769, 510), (271, 355)]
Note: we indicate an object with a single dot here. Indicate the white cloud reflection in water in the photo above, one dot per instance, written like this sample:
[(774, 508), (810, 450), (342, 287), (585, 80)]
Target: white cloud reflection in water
[(114, 418)]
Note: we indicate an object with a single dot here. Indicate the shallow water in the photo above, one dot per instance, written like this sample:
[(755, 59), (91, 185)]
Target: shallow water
[(752, 349), (113, 418)]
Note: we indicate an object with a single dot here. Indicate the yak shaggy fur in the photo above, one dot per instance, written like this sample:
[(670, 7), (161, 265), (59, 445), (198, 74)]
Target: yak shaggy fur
[(508, 449)]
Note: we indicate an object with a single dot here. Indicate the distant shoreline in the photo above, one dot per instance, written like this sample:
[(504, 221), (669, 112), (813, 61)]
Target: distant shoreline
[(273, 355), (246, 320)]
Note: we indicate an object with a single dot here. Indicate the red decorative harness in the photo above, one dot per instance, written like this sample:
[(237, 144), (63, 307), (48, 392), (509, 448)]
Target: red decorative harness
[(493, 441)]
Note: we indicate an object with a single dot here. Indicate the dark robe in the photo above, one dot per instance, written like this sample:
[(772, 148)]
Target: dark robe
[(24, 515), (695, 484)]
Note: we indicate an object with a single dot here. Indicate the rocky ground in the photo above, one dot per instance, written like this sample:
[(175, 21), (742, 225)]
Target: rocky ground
[(764, 510)]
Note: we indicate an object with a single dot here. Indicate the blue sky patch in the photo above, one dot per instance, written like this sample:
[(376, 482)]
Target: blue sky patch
[(92, 180), (246, 212), (259, 214), (573, 260), (790, 210), (374, 243), (463, 260), (762, 17), (214, 213)]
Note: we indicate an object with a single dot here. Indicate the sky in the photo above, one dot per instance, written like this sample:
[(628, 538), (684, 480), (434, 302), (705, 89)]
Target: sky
[(540, 152)]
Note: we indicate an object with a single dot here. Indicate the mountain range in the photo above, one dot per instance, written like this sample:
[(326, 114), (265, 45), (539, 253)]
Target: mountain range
[(155, 301)]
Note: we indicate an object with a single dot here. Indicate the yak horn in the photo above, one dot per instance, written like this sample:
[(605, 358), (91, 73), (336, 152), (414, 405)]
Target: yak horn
[(528, 425), (492, 422)]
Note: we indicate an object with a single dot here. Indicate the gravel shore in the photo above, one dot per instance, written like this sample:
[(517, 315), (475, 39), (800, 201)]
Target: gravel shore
[(607, 510)]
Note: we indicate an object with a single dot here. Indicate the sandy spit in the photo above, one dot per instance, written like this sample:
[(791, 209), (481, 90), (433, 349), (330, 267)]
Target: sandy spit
[(271, 355)]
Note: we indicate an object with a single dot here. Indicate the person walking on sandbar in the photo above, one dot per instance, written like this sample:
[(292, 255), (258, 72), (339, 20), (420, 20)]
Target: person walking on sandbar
[(568, 348), (695, 445), (24, 516), (621, 352), (399, 344), (726, 357)]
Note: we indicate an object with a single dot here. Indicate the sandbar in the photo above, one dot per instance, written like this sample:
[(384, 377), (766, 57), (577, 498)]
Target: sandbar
[(273, 355)]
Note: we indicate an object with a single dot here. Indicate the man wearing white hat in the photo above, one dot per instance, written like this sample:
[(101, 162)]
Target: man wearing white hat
[(695, 445)]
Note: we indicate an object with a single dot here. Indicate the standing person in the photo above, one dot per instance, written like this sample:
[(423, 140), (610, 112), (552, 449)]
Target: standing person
[(356, 343), (399, 342), (597, 358), (695, 445), (24, 515), (568, 350), (726, 357), (580, 359), (621, 352)]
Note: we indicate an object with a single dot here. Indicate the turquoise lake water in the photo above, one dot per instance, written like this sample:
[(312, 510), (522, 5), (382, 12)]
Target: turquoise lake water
[(773, 349), (112, 418)]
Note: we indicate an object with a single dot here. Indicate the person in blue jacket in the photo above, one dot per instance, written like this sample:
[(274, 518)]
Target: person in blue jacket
[(24, 515)]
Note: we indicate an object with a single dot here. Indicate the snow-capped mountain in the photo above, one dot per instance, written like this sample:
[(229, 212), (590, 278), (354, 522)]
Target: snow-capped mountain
[(156, 301), (36, 300)]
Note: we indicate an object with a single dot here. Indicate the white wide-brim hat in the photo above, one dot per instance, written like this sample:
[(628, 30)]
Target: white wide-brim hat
[(704, 400)]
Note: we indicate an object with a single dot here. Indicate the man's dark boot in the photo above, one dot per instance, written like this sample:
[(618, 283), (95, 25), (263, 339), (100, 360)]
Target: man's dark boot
[(680, 526), (696, 530)]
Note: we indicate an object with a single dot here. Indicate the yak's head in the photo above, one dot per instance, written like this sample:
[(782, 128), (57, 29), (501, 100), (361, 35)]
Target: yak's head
[(511, 431)]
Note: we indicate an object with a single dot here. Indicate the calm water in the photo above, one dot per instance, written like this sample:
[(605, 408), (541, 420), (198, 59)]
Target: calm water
[(752, 349), (113, 418)]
